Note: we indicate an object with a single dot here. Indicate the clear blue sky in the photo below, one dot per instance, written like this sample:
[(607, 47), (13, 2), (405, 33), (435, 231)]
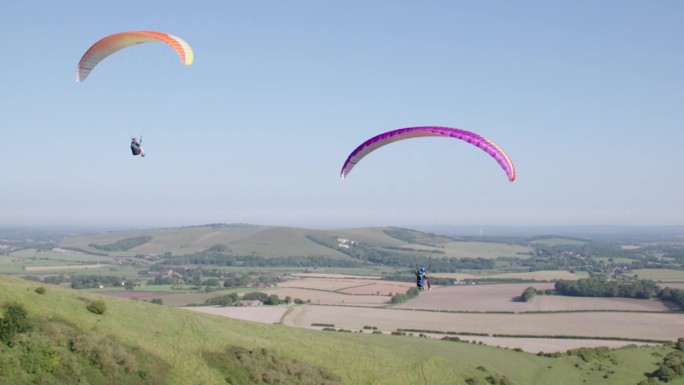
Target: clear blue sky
[(586, 97)]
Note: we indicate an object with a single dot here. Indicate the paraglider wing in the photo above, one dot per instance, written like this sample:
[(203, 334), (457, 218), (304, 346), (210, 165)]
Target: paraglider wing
[(383, 139), (112, 43)]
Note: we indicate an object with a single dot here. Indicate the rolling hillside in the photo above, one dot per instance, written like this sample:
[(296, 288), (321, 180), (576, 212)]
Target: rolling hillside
[(270, 241), (182, 347)]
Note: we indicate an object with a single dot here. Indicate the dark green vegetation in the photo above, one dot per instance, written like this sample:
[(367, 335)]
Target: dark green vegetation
[(52, 351), (232, 299), (602, 287), (261, 366), (52, 338), (399, 298), (123, 244), (528, 294)]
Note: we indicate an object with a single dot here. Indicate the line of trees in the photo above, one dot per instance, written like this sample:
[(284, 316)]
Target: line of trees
[(398, 298), (95, 281), (602, 287), (266, 299)]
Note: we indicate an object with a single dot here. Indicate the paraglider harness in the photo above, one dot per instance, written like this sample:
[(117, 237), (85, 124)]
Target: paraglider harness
[(136, 146), (422, 278)]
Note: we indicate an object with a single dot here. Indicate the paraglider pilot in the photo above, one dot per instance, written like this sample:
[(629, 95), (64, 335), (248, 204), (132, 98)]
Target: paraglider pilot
[(136, 146), (422, 278)]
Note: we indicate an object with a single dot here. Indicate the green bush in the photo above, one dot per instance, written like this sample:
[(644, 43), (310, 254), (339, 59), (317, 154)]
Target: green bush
[(528, 294), (40, 290), (261, 366), (14, 322), (97, 307)]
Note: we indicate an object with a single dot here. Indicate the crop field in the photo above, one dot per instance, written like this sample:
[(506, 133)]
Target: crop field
[(32, 260), (263, 314), (491, 309), (170, 295), (654, 326), (661, 275), (321, 297), (549, 345), (475, 250), (65, 267), (506, 298), (547, 275), (363, 286), (57, 255)]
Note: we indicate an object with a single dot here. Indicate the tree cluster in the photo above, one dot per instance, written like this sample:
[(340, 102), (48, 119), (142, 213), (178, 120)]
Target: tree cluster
[(231, 298), (528, 294), (672, 365), (411, 293), (602, 287), (95, 281), (674, 296)]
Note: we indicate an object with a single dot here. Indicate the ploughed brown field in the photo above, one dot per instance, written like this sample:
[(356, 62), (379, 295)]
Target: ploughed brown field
[(506, 298), (347, 285), (263, 314), (656, 326)]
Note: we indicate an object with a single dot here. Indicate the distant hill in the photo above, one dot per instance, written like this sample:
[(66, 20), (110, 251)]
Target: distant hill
[(274, 241), (136, 342), (593, 232)]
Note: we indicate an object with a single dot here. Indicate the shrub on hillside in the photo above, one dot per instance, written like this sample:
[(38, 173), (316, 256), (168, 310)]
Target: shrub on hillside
[(97, 307), (261, 366), (15, 321)]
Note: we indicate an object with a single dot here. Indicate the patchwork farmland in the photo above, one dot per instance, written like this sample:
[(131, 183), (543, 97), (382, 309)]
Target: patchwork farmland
[(490, 314)]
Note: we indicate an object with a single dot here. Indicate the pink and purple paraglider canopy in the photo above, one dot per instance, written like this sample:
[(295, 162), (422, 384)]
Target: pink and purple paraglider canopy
[(378, 141)]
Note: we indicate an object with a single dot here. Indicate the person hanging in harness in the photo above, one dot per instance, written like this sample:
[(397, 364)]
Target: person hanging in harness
[(136, 147), (422, 280)]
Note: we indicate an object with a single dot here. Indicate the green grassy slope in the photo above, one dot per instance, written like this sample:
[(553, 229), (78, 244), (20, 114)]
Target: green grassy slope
[(182, 339)]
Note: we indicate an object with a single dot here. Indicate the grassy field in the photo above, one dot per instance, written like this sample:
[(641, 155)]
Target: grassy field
[(63, 256), (485, 250), (180, 338), (661, 275)]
